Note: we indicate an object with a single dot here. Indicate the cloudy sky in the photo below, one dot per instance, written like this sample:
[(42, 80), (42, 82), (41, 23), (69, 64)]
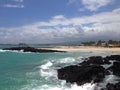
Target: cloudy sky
[(55, 21)]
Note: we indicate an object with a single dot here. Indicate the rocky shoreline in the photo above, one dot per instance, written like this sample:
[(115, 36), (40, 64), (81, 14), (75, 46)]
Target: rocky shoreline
[(92, 70), (31, 49)]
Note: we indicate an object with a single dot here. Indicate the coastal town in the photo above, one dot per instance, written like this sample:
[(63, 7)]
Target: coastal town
[(102, 43)]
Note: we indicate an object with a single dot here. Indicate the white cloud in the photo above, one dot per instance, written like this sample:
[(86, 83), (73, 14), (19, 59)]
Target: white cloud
[(13, 6), (59, 17), (18, 0), (72, 1), (103, 25), (93, 5)]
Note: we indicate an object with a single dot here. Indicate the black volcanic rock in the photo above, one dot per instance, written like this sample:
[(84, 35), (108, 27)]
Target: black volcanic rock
[(90, 70), (97, 60), (113, 57), (115, 68), (31, 49), (81, 74), (110, 86)]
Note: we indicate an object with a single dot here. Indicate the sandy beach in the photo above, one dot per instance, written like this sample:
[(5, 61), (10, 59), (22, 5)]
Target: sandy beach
[(85, 48)]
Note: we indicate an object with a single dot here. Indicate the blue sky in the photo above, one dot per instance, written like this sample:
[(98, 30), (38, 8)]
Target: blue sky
[(54, 21)]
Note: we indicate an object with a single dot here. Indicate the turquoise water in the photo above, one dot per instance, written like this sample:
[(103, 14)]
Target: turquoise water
[(37, 71)]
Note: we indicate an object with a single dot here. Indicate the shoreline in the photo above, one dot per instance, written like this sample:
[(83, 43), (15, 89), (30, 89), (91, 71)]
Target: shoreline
[(85, 48)]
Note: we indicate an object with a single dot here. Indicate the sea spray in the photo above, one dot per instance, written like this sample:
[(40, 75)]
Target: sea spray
[(3, 50), (48, 71), (87, 86)]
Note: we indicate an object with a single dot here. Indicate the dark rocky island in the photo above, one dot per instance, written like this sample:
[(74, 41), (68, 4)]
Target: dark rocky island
[(91, 70), (31, 49)]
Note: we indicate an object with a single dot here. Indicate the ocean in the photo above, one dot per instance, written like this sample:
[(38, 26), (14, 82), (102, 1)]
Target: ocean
[(38, 71)]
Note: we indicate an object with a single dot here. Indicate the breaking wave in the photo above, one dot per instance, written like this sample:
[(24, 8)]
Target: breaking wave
[(21, 51), (3, 50)]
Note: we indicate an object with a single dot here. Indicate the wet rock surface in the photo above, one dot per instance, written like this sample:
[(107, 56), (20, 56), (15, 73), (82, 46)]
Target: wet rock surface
[(91, 70), (111, 86), (115, 68)]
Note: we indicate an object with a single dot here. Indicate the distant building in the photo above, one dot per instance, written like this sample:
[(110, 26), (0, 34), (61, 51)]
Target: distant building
[(110, 45), (103, 44)]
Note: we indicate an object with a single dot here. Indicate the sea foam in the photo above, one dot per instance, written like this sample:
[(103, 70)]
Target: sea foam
[(48, 71), (87, 86), (3, 50)]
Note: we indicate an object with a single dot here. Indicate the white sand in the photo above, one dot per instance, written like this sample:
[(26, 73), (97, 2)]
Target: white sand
[(85, 48)]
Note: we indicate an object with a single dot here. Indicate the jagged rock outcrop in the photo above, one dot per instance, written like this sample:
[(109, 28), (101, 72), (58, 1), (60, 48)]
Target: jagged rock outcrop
[(81, 74), (90, 70)]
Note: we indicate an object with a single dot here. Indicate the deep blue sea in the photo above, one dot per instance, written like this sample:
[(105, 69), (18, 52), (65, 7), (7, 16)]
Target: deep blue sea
[(37, 71)]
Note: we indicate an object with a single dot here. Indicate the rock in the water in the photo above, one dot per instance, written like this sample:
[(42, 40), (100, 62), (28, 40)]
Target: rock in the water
[(110, 86), (97, 60), (90, 70), (113, 57), (115, 68), (31, 49), (81, 74)]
